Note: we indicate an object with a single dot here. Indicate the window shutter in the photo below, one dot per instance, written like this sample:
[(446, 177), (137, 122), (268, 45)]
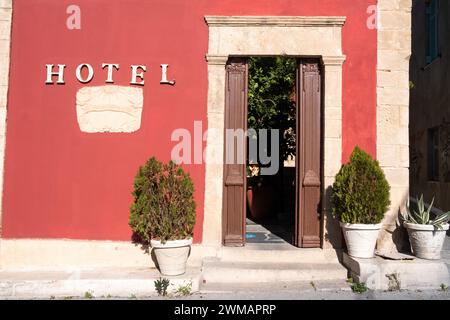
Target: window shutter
[(433, 28)]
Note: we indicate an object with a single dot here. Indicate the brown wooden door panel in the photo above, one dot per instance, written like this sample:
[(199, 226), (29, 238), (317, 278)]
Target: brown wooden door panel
[(235, 184), (308, 180)]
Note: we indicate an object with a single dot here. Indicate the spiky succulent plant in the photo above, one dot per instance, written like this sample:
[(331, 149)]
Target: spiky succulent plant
[(424, 215)]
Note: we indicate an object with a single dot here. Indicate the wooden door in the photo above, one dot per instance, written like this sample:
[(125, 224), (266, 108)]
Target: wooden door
[(308, 159), (235, 184), (308, 179)]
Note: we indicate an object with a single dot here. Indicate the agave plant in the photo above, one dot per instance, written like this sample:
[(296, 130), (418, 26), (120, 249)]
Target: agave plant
[(423, 215)]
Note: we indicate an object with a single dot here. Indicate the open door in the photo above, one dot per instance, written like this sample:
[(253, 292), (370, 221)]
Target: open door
[(308, 154), (308, 175), (235, 177)]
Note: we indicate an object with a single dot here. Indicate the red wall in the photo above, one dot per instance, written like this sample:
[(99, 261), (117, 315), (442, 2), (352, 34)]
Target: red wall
[(62, 183)]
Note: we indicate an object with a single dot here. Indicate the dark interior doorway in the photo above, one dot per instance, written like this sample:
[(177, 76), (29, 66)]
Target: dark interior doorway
[(271, 96), (283, 94)]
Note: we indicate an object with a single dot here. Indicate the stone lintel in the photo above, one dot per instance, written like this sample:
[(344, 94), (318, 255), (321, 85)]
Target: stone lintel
[(283, 21)]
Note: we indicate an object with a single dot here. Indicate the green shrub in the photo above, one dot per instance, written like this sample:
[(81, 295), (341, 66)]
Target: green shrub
[(164, 207), (360, 191)]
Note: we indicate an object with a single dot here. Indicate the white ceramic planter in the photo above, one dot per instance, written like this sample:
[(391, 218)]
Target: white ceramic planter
[(426, 241), (172, 255), (361, 239)]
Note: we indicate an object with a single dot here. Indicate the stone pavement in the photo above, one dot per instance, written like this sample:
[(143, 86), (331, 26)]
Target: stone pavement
[(270, 282), (297, 291), (317, 290), (120, 282)]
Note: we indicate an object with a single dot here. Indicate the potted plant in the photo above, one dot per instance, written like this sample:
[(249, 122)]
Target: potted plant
[(260, 198), (163, 213), (426, 235), (360, 198)]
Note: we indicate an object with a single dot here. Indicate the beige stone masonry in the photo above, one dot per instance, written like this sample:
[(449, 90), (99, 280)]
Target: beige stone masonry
[(64, 254), (394, 50), (5, 46), (247, 36), (109, 108)]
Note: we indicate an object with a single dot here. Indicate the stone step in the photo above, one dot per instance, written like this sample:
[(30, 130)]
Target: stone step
[(217, 271), (252, 288), (282, 253), (386, 274), (125, 283)]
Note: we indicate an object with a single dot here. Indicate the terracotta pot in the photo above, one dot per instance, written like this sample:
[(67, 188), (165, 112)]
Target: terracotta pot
[(260, 202), (172, 255)]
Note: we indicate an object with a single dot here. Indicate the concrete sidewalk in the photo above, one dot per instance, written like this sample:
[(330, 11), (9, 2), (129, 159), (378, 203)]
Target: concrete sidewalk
[(317, 290), (125, 283), (239, 273)]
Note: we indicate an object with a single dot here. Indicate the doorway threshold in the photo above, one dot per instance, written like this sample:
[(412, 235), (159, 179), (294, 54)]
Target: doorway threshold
[(267, 235), (281, 252)]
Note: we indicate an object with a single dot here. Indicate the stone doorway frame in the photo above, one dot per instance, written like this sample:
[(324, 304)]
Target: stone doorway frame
[(299, 36)]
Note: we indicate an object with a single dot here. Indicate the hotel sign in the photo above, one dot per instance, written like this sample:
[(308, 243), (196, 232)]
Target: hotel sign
[(137, 73)]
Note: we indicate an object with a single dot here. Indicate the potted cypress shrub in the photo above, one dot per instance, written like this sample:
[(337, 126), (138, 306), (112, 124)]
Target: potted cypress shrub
[(360, 198), (426, 235), (163, 213)]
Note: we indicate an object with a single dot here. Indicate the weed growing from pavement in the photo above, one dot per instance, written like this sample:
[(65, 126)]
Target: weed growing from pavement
[(444, 287), (185, 290), (357, 287), (88, 295), (161, 286)]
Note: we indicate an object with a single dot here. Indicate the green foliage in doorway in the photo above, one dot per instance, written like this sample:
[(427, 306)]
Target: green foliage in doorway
[(271, 98), (164, 206), (360, 191)]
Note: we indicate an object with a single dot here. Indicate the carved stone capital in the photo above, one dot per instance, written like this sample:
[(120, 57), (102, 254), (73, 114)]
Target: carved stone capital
[(333, 60), (219, 60)]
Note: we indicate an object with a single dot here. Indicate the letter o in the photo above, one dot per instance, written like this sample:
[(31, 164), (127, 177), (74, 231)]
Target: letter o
[(90, 70)]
